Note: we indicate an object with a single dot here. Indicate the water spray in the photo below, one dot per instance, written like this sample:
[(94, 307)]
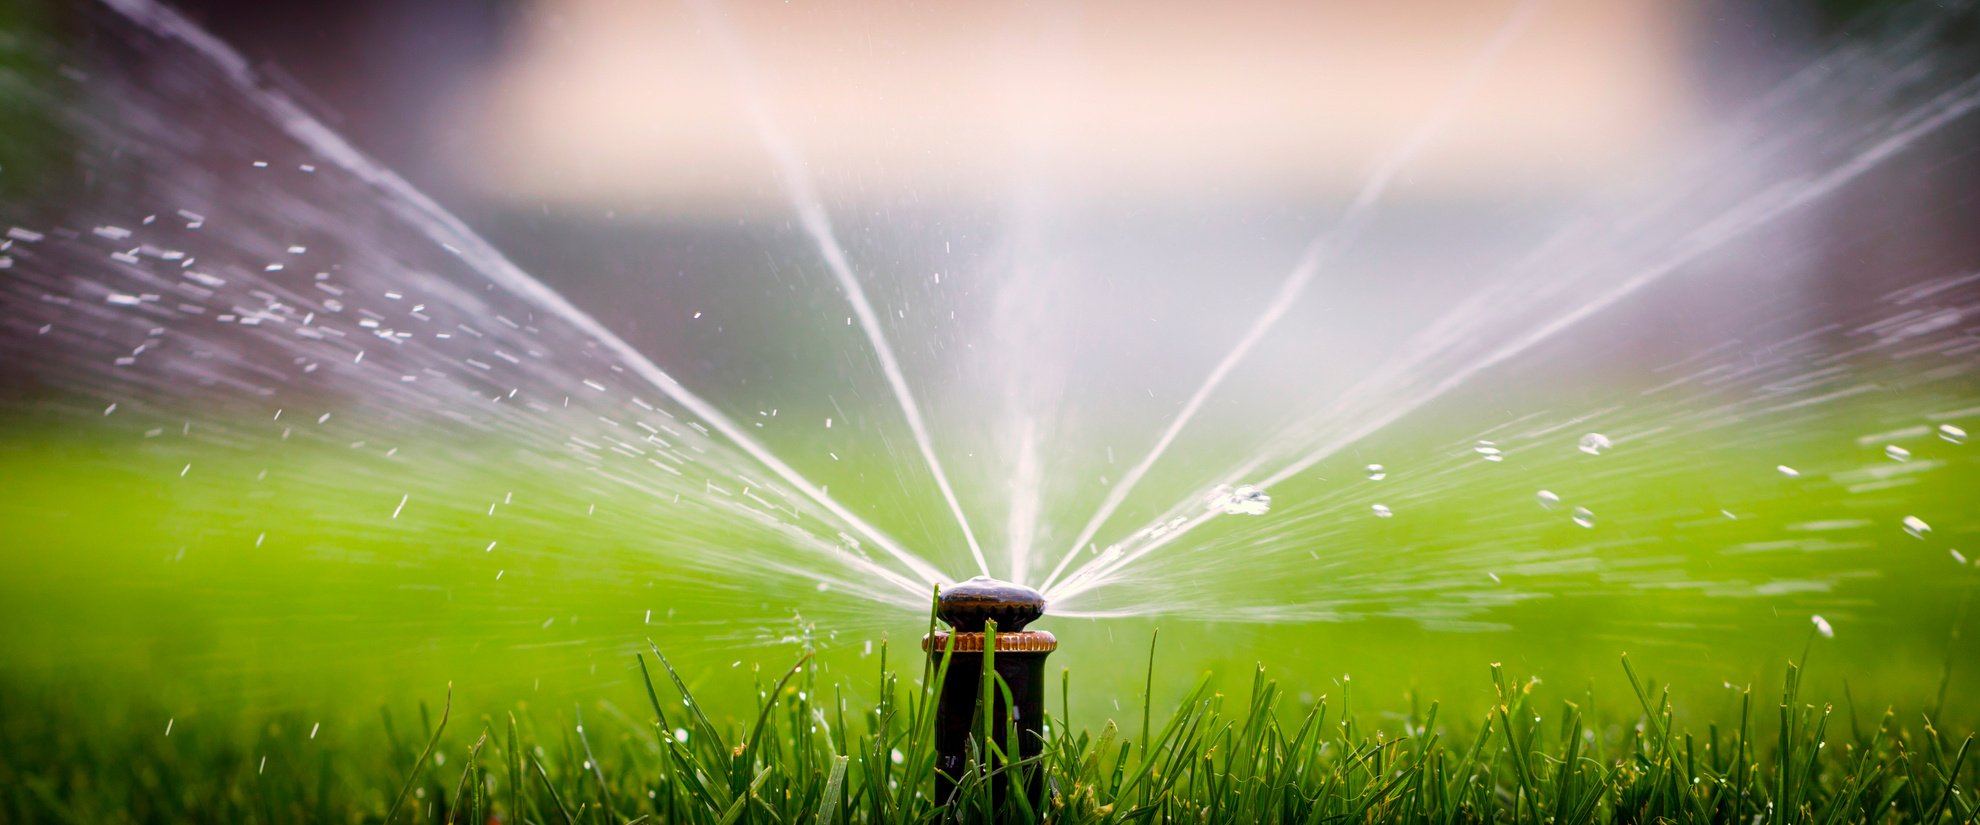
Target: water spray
[(986, 618)]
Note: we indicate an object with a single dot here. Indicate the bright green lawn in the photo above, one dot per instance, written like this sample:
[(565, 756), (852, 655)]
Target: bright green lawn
[(136, 599)]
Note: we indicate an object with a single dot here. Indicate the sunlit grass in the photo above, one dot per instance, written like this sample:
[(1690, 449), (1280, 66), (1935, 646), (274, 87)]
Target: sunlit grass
[(798, 750)]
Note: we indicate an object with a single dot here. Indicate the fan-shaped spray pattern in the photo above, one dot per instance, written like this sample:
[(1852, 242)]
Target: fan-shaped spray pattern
[(283, 269), (265, 287), (1323, 248), (1589, 268)]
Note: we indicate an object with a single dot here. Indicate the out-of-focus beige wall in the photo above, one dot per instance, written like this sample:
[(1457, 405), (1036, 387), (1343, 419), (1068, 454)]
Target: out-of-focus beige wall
[(629, 103)]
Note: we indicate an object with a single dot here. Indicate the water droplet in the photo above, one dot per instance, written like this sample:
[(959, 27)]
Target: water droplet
[(1594, 443), (1167, 527), (1958, 556), (681, 735), (1897, 453), (1242, 500), (1822, 627), (1790, 472), (1916, 527), (1584, 517), (1952, 434), (1489, 451), (1547, 499), (1382, 511), (1377, 472)]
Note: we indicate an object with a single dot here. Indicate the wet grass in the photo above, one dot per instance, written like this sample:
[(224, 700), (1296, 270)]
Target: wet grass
[(800, 752), (163, 663)]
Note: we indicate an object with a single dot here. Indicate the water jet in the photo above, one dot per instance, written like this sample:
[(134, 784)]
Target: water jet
[(987, 618)]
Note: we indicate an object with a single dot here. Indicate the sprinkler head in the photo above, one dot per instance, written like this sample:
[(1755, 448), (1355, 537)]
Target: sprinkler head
[(967, 606), (1018, 659)]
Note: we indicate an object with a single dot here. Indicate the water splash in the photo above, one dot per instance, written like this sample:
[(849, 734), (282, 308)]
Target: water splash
[(1410, 383), (1322, 249), (209, 310), (818, 224), (441, 338), (1242, 500)]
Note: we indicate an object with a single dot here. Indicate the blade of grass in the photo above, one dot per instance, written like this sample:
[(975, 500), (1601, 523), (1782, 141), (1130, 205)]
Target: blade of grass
[(828, 807), (420, 763), (551, 787)]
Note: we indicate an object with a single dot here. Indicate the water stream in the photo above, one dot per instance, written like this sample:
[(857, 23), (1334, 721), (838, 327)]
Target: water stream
[(215, 266)]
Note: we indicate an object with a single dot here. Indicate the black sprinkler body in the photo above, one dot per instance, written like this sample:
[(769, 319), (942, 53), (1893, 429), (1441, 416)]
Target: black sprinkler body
[(1018, 659)]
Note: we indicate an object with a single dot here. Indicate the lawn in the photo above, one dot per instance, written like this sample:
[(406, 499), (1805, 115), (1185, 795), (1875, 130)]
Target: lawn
[(272, 636)]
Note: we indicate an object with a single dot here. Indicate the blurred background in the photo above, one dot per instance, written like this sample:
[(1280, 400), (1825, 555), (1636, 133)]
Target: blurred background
[(1066, 216)]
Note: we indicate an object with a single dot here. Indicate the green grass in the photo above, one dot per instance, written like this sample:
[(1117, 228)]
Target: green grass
[(220, 589), (267, 605), (805, 754)]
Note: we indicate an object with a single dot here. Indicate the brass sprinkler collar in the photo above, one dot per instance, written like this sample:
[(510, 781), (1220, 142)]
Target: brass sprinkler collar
[(1023, 641)]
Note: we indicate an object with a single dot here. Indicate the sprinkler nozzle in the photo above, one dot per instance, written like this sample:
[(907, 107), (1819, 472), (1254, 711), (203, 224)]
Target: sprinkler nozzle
[(967, 606), (1018, 659)]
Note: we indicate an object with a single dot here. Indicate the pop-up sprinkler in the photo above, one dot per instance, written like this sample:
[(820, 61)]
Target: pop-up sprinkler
[(1018, 659)]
